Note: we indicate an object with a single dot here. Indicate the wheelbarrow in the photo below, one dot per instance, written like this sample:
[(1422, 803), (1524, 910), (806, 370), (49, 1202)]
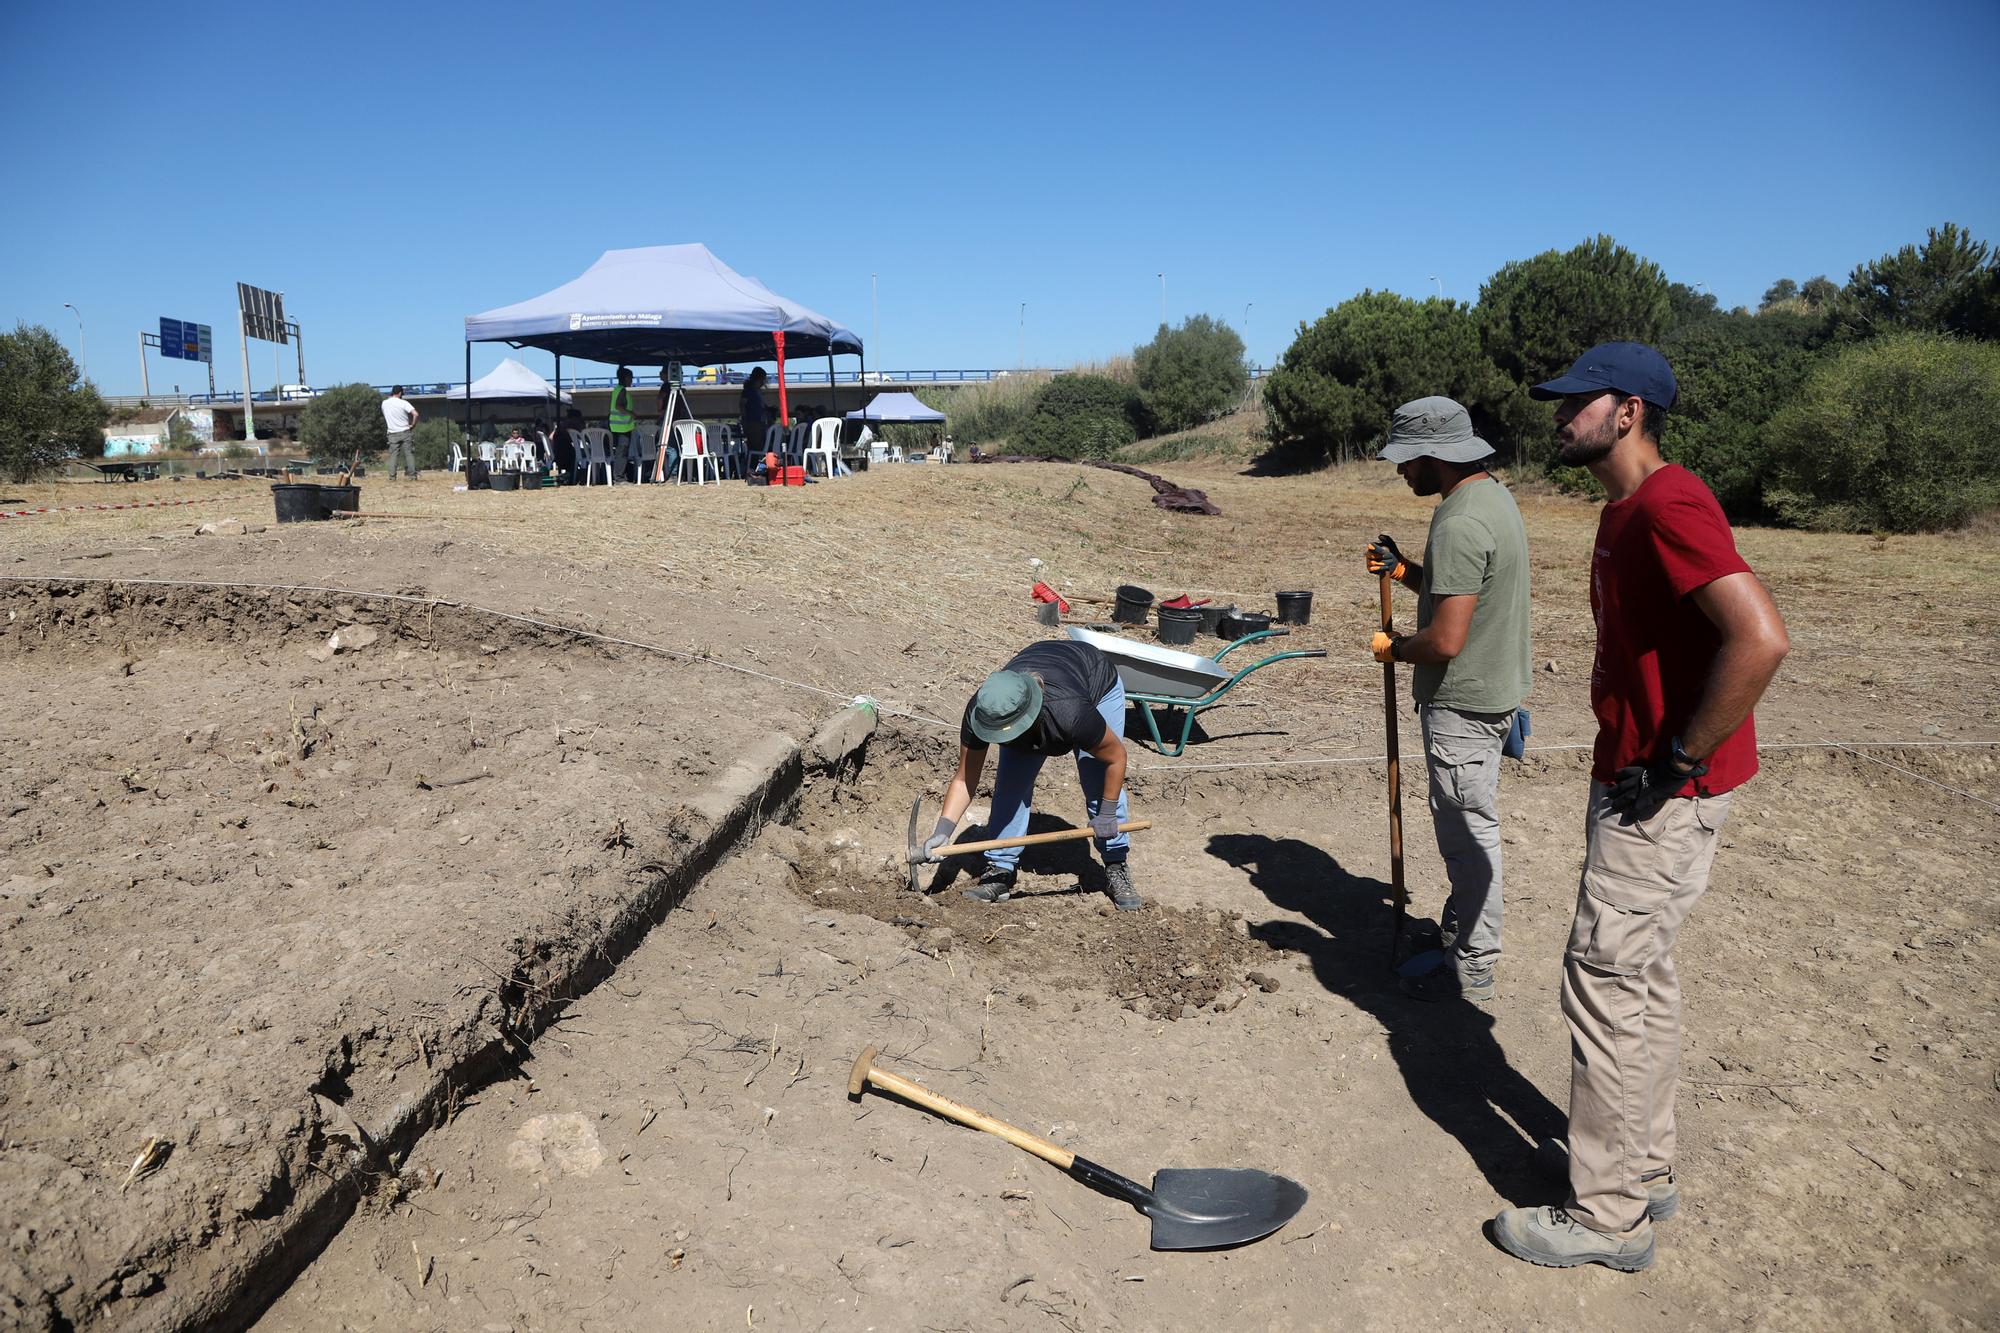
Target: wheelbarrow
[(1165, 683)]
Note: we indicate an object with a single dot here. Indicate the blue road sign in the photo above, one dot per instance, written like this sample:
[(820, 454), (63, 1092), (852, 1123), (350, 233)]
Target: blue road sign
[(171, 338)]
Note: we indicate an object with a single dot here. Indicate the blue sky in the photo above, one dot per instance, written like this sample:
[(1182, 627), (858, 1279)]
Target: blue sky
[(393, 169)]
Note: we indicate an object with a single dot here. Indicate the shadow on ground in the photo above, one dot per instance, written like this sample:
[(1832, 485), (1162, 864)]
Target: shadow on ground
[(1453, 1065)]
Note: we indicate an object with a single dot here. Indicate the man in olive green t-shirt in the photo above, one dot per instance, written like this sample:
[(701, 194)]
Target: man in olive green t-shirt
[(1472, 665)]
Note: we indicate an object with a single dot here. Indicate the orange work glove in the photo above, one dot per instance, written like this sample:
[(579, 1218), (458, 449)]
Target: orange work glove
[(1383, 646), (1382, 554)]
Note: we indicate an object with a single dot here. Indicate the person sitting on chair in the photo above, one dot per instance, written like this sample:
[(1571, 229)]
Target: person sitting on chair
[(1054, 697)]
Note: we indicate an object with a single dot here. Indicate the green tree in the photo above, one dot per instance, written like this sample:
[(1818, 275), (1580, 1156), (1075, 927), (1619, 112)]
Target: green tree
[(1080, 416), (1936, 287), (1191, 375), (1735, 373), (1688, 306), (1332, 392), (1819, 293), (47, 413), (1784, 289), (1537, 315), (1899, 433), (343, 423), (431, 440)]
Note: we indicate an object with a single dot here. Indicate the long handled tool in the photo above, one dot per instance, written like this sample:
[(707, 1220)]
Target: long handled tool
[(918, 860), (1203, 1208), (1401, 894)]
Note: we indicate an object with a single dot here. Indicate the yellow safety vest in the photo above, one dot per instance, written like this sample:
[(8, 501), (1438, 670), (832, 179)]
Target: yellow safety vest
[(621, 411)]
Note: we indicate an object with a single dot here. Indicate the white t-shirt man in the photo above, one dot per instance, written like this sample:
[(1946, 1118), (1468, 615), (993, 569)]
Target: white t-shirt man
[(397, 414)]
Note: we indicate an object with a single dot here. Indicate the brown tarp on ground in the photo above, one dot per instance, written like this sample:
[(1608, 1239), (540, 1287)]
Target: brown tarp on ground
[(1180, 499)]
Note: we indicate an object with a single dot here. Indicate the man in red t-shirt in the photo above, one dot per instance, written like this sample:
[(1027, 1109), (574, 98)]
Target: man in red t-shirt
[(1687, 641)]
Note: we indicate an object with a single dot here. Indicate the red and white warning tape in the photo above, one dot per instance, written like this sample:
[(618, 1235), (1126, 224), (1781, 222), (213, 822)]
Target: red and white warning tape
[(136, 504)]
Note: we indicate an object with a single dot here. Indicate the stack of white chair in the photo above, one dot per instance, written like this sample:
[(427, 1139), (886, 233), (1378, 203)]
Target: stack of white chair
[(648, 438), (596, 454), (694, 453), (457, 457)]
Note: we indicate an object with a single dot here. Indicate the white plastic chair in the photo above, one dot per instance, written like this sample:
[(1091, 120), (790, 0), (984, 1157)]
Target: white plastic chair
[(649, 449), (694, 453), (774, 442), (457, 458), (731, 454), (825, 446), (486, 451), (795, 443), (596, 453)]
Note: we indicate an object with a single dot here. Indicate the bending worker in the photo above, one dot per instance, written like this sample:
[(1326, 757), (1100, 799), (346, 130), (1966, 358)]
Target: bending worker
[(1055, 697), (1473, 669)]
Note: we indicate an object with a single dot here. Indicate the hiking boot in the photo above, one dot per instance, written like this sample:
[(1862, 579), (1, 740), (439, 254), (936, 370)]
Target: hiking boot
[(1450, 980), (1663, 1195), (1123, 896), (1552, 1238), (994, 886)]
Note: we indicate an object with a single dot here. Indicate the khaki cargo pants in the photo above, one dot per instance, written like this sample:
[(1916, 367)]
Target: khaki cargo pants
[(1462, 752), (1622, 998)]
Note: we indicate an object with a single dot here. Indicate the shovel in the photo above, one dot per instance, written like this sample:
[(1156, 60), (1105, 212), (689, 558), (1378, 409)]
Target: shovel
[(918, 860), (1206, 1208)]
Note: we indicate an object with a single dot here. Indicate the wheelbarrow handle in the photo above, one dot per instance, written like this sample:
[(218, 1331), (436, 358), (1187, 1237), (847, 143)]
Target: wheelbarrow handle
[(1034, 839)]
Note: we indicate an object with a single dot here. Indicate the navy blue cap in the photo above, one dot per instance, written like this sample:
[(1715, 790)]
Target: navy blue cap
[(1630, 368)]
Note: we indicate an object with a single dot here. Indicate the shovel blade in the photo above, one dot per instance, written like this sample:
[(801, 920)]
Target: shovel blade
[(1211, 1208)]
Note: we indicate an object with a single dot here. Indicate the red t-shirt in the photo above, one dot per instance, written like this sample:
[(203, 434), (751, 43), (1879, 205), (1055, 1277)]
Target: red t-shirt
[(1654, 645)]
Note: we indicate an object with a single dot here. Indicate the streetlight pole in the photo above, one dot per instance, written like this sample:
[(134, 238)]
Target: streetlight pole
[(1163, 298), (1021, 359), (82, 347), (1440, 282), (874, 314), (1246, 325)]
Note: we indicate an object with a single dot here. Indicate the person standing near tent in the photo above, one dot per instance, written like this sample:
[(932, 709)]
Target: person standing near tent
[(562, 446), (751, 413), (1687, 642), (624, 443), (399, 416), (670, 445), (1473, 668), (1052, 698)]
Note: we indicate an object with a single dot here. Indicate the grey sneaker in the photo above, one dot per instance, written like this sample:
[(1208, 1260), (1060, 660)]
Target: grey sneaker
[(1663, 1195), (1450, 981), (1552, 1238), (994, 886), (1123, 896)]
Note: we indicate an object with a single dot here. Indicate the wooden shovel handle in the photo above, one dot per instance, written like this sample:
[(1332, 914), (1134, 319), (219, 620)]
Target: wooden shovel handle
[(1036, 839), (866, 1073)]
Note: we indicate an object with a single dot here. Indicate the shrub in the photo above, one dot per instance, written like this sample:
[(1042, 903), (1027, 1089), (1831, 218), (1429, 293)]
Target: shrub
[(1735, 372), (1899, 433), (1191, 375), (342, 423), (1080, 416), (1331, 395), (431, 440), (990, 413)]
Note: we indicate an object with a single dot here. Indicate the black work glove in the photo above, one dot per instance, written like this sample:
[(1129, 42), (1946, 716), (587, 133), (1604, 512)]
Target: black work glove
[(1382, 554), (939, 837), (1639, 790), (1104, 826)]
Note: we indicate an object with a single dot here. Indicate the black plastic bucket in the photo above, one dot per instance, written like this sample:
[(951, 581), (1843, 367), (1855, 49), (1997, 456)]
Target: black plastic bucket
[(339, 497), (1133, 605), (532, 481), (297, 502), (1295, 608), (504, 481), (1178, 624), (1211, 616)]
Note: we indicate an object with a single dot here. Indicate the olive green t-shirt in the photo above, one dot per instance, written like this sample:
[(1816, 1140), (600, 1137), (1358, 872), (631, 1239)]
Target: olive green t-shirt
[(1477, 544)]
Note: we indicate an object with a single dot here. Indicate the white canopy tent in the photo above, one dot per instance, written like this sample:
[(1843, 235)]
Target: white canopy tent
[(509, 379)]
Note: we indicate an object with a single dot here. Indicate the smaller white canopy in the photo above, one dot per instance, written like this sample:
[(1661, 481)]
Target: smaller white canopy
[(896, 407), (509, 379)]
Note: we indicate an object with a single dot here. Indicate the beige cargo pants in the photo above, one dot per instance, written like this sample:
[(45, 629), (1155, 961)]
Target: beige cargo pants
[(1622, 998)]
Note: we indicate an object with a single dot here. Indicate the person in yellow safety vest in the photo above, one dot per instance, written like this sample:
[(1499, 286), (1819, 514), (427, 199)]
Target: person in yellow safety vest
[(624, 443)]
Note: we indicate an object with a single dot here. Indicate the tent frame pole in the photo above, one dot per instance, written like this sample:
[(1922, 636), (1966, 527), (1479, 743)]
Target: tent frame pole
[(468, 397)]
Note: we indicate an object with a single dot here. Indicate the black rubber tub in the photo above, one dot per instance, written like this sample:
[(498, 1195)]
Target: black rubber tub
[(298, 502), (1133, 605), (1295, 608), (1178, 624), (1211, 616), (504, 481), (1237, 624), (347, 498)]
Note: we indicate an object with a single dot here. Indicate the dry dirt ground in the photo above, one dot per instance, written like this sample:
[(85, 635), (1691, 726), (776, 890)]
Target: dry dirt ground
[(217, 931)]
